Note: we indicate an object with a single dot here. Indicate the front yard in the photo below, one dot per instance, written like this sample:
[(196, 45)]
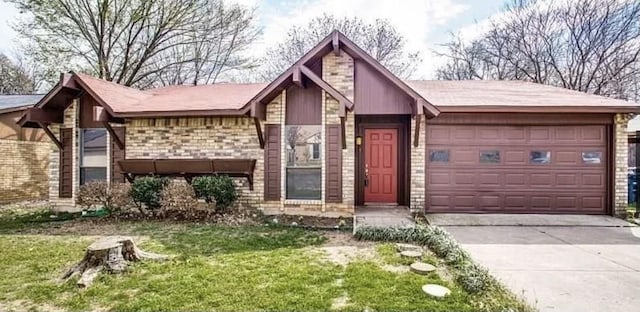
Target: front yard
[(223, 268)]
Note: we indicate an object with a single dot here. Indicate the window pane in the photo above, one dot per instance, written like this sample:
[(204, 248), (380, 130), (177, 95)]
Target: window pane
[(303, 144), (89, 174), (593, 157), (439, 156), (489, 156), (94, 148), (540, 157), (303, 183)]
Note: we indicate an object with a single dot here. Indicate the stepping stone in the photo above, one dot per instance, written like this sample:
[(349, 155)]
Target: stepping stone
[(402, 247), (422, 268), (436, 290), (411, 254)]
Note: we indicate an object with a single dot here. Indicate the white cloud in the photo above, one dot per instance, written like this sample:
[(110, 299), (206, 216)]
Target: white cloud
[(8, 13), (415, 19)]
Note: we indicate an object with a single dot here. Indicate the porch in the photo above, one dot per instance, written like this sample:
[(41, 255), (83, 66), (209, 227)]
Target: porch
[(382, 216)]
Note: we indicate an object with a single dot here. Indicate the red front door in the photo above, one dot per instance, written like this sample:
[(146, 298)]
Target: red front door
[(381, 165)]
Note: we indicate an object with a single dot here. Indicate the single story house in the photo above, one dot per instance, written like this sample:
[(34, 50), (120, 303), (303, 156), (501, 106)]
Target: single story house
[(24, 152), (436, 146)]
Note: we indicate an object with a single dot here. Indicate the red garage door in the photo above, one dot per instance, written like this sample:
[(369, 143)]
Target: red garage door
[(516, 169)]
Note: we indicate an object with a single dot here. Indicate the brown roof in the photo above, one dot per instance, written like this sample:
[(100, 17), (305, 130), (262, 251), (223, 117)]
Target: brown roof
[(447, 95), (124, 101), (512, 96)]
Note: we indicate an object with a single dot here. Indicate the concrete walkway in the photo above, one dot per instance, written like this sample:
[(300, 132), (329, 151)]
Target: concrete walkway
[(383, 216), (565, 266)]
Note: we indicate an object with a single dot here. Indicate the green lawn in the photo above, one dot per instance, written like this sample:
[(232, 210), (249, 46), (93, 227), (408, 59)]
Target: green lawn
[(248, 268)]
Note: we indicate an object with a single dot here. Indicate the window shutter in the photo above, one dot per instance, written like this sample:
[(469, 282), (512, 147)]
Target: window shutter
[(65, 187), (333, 150), (117, 154), (272, 166)]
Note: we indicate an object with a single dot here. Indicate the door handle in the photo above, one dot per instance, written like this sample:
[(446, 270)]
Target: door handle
[(366, 175)]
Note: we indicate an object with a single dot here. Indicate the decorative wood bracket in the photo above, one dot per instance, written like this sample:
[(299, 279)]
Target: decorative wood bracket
[(343, 132), (327, 87), (114, 135), (50, 134), (335, 43), (261, 137), (297, 77), (416, 137)]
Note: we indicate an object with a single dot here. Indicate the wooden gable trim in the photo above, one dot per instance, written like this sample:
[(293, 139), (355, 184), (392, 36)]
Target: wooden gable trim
[(327, 87), (356, 52), (335, 43)]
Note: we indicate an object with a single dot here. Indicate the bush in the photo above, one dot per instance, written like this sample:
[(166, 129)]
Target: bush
[(470, 276), (218, 189), (179, 197), (96, 194), (146, 192)]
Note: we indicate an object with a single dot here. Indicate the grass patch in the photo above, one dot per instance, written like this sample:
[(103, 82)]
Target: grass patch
[(220, 268)]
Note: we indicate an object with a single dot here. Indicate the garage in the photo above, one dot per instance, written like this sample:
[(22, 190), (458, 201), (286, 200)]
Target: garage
[(523, 167)]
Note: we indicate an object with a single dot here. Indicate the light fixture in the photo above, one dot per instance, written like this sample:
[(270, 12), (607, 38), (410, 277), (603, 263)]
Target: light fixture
[(358, 140)]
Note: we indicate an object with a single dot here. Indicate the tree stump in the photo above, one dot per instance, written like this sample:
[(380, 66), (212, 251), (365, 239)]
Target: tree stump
[(111, 254)]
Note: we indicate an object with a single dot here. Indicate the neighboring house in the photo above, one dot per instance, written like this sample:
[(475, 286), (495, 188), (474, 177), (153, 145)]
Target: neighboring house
[(438, 146), (24, 152)]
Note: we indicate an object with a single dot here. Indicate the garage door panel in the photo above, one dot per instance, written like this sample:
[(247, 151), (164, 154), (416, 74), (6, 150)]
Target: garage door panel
[(595, 179), (465, 157), (489, 202), (539, 134), (541, 169), (517, 134), (515, 157), (566, 134), (464, 134), (592, 134)]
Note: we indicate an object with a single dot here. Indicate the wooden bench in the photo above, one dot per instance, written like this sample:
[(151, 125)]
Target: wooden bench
[(188, 168)]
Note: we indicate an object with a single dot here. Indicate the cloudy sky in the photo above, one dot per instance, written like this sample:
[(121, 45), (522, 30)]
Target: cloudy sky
[(424, 23)]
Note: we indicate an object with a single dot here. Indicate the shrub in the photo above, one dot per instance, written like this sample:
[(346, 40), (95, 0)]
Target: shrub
[(179, 197), (94, 194), (114, 197), (220, 189), (470, 276), (146, 192)]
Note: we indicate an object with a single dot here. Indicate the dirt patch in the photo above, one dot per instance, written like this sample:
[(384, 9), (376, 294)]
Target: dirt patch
[(340, 302), (396, 268), (343, 255), (25, 305), (336, 238)]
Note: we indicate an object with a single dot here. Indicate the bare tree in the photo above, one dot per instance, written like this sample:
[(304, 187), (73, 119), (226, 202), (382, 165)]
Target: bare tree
[(591, 46), (13, 78), (380, 39), (136, 42)]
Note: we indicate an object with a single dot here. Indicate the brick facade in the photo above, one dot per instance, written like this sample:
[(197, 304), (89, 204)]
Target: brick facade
[(24, 170), (621, 148), (229, 137), (417, 172)]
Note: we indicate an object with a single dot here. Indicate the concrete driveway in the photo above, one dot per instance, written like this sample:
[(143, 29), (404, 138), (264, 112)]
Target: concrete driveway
[(593, 265)]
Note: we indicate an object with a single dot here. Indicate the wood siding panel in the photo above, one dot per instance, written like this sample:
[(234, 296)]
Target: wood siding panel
[(375, 95), (117, 154), (304, 105), (272, 165), (333, 149), (66, 163), (87, 104)]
